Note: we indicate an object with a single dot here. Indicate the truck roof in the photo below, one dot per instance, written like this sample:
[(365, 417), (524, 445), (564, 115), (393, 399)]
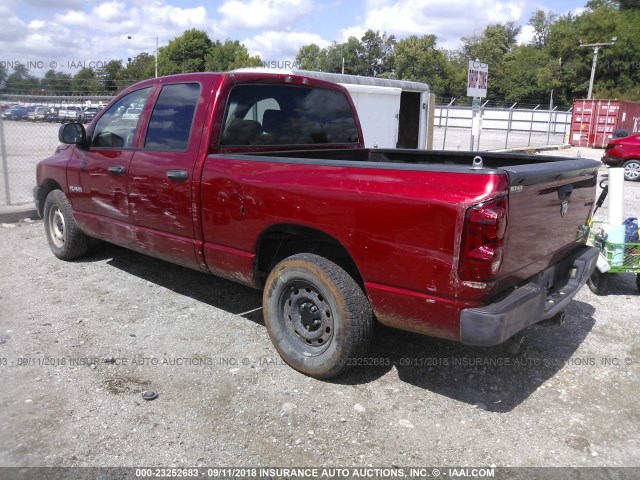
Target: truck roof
[(242, 77)]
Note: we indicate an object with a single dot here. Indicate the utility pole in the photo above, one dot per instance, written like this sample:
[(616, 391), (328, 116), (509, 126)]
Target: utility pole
[(596, 48)]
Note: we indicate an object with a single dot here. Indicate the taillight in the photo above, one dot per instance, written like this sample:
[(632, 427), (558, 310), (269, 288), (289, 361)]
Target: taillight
[(485, 226)]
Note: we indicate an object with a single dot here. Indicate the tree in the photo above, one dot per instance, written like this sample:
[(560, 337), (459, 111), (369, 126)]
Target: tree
[(418, 59), (349, 54), (56, 83), (335, 58), (20, 81), (553, 60), (85, 82), (141, 67), (311, 57), (3, 76), (542, 22), (617, 75), (370, 56), (596, 4), (533, 74), (186, 53), (110, 76), (229, 55), (492, 47), (376, 53), (629, 4)]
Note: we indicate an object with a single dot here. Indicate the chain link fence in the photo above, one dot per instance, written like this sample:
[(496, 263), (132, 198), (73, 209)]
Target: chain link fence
[(29, 133), (501, 127)]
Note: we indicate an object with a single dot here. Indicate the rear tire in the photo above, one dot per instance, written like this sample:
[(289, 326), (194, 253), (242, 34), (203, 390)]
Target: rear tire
[(317, 316), (598, 282), (638, 280), (65, 239), (632, 170)]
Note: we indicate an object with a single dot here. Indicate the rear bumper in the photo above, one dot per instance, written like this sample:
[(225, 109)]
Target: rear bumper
[(530, 303), (612, 161)]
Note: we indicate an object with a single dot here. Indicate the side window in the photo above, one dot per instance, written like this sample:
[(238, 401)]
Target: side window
[(117, 127), (172, 117)]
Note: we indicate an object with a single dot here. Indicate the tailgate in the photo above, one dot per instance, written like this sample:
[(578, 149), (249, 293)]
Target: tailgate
[(549, 207)]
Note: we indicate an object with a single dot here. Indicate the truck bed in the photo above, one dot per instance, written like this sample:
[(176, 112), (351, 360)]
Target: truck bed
[(400, 216), (430, 157)]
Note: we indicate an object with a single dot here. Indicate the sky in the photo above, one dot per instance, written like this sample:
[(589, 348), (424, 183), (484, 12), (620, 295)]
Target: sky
[(68, 34)]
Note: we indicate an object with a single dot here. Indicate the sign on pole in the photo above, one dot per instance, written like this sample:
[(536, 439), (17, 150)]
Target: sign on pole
[(477, 79)]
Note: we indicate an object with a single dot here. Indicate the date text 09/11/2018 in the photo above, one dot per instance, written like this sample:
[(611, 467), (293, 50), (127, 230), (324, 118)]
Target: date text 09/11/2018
[(315, 472)]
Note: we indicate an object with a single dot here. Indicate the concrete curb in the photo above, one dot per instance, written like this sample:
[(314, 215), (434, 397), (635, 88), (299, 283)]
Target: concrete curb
[(15, 213)]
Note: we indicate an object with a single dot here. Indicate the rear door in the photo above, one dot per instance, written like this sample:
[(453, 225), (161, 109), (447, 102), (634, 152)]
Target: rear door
[(162, 174)]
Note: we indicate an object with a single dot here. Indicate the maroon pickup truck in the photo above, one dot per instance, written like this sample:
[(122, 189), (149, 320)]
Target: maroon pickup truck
[(263, 179)]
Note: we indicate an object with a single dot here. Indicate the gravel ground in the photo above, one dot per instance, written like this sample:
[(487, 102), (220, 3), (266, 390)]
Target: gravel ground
[(80, 341)]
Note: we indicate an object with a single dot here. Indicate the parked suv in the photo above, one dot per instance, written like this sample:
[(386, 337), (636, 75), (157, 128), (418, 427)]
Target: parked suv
[(88, 114), (18, 113), (624, 152), (51, 115), (37, 114), (69, 113)]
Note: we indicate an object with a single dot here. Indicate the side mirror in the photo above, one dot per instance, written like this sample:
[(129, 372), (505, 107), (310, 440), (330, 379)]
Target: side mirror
[(72, 133)]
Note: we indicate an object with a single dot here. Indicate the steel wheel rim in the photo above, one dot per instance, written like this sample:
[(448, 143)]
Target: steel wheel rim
[(56, 227), (632, 171), (308, 317)]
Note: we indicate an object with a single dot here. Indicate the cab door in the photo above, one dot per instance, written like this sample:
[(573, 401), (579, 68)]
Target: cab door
[(98, 175), (161, 175)]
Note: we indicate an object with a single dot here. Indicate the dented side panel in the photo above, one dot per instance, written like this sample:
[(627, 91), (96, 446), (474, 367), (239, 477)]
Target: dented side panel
[(401, 227)]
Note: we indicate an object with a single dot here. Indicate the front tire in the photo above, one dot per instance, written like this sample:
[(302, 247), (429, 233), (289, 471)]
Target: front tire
[(65, 239), (632, 170), (598, 282), (317, 316)]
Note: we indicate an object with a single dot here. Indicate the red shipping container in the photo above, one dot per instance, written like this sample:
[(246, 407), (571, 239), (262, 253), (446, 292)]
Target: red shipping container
[(593, 122)]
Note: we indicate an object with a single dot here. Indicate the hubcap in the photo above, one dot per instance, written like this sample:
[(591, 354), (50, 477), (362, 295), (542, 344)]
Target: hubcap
[(632, 171), (56, 227), (308, 315)]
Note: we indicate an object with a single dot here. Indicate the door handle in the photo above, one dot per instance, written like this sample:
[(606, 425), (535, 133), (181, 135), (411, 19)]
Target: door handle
[(117, 170), (177, 175)]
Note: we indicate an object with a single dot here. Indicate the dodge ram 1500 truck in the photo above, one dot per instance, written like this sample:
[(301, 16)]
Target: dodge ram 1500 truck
[(263, 179)]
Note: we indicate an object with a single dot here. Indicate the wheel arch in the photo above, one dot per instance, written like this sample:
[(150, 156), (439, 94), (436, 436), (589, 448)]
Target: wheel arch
[(47, 187), (283, 240)]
